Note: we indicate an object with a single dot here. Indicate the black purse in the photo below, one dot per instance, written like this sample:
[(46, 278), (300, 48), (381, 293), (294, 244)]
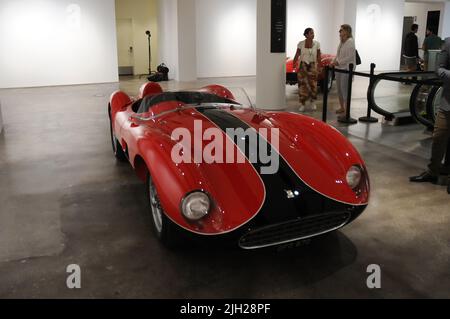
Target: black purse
[(358, 58)]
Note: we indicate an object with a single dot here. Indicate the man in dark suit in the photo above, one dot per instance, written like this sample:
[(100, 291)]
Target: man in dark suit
[(441, 133), (411, 48)]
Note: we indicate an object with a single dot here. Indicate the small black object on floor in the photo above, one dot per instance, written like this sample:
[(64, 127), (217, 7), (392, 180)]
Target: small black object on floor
[(162, 74)]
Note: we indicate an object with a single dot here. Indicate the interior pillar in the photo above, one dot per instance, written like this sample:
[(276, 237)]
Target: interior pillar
[(446, 19), (187, 43), (177, 35), (270, 67)]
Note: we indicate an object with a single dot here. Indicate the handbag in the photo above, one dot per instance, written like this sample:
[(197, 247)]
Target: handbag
[(164, 70), (358, 58)]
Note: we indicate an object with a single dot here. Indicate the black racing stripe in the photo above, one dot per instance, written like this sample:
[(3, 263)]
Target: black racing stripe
[(277, 207)]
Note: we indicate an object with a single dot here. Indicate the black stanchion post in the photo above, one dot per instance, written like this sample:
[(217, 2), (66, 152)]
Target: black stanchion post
[(348, 119), (325, 94), (369, 118)]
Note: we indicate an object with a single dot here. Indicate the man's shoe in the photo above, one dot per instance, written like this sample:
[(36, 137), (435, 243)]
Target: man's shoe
[(448, 188), (424, 178)]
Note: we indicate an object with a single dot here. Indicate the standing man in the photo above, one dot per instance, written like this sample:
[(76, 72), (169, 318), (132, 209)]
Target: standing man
[(411, 47), (432, 42), (441, 133)]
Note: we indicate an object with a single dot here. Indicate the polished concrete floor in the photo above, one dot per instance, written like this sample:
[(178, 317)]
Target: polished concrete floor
[(65, 200)]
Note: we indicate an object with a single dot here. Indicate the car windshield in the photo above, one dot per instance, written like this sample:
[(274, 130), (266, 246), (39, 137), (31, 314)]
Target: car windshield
[(190, 98)]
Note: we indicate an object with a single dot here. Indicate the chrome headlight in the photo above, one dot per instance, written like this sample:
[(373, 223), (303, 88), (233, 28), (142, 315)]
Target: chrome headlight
[(196, 206), (354, 176)]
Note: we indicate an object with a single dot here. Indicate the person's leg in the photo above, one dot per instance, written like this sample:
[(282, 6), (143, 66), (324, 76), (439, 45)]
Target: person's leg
[(312, 89), (340, 93), (439, 148), (447, 156), (303, 91), (313, 86), (440, 142), (344, 93), (447, 162), (411, 64), (446, 168)]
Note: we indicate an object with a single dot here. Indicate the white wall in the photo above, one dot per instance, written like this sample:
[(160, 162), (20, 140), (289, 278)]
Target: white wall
[(50, 42), (226, 38), (143, 14), (379, 28), (317, 14), (420, 10), (226, 33)]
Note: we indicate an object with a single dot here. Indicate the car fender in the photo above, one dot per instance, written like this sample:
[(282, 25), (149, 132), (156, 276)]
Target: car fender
[(221, 182)]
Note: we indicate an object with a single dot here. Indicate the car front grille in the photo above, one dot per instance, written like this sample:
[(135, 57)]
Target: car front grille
[(292, 231)]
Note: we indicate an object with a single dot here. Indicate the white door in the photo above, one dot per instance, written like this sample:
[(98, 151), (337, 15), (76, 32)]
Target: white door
[(125, 46)]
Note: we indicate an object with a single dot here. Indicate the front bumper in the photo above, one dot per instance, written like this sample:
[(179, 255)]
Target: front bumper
[(260, 233), (294, 230)]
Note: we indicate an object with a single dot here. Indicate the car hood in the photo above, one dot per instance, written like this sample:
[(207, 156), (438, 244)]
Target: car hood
[(310, 151)]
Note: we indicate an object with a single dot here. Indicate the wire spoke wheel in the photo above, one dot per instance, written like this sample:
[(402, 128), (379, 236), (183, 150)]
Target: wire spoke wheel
[(155, 206), (165, 230)]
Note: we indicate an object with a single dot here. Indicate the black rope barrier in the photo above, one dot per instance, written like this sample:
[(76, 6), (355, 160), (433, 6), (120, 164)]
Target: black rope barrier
[(373, 80), (348, 119), (369, 118)]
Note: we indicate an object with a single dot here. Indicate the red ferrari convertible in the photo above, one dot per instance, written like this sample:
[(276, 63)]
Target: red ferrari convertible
[(291, 71), (308, 182)]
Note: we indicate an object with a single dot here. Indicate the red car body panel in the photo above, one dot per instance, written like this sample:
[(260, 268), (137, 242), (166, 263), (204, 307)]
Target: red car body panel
[(310, 147), (151, 142), (319, 155)]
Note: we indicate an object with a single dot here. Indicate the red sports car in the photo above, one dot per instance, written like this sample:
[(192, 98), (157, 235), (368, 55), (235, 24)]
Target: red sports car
[(291, 71), (308, 182)]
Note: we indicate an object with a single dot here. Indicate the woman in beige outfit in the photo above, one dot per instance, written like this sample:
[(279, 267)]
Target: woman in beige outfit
[(346, 55)]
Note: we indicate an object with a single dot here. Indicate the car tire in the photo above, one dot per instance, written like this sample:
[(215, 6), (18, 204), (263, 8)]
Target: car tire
[(164, 229), (117, 149)]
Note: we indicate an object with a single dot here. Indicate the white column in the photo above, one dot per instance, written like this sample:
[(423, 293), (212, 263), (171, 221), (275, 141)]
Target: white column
[(270, 67), (168, 35), (446, 19), (187, 41), (177, 37)]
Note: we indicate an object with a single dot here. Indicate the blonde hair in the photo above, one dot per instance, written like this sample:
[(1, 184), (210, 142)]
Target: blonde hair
[(347, 28)]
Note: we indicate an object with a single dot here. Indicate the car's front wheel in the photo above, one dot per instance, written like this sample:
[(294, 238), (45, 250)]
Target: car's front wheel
[(163, 227)]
